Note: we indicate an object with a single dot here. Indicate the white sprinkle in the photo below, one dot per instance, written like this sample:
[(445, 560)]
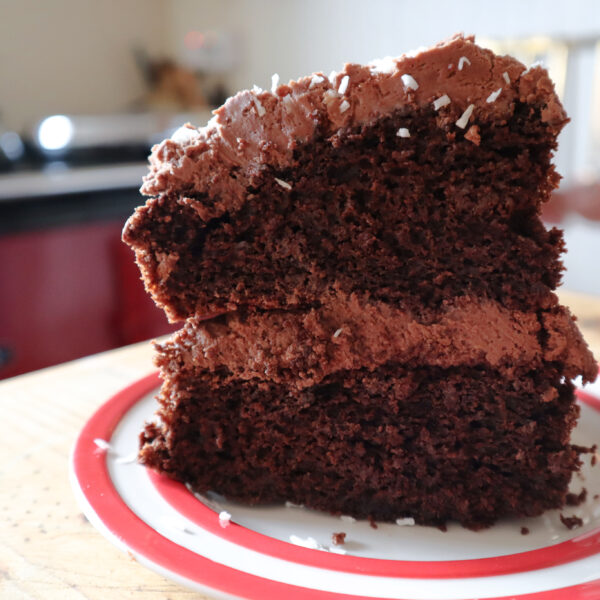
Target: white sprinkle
[(287, 101), (494, 96), (344, 106), (461, 62), (409, 81), (344, 85), (332, 76), (260, 109), (406, 521), (464, 118), (383, 65), (311, 543), (283, 184), (102, 444), (184, 134), (338, 332), (127, 459), (224, 518), (441, 101), (403, 132), (256, 89), (329, 96), (450, 65), (316, 79), (308, 542), (289, 504), (274, 82), (347, 518), (506, 77)]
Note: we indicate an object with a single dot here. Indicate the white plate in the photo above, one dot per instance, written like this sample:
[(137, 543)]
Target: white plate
[(252, 555)]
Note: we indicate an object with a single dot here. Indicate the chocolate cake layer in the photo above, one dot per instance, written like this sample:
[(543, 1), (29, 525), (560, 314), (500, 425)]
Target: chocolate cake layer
[(300, 348), (434, 444), (413, 191)]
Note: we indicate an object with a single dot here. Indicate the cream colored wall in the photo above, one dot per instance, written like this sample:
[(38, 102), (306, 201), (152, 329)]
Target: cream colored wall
[(74, 55)]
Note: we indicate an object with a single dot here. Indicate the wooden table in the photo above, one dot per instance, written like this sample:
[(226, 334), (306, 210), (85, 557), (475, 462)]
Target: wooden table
[(48, 550)]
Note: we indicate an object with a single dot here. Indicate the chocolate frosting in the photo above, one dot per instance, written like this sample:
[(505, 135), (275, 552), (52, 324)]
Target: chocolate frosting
[(211, 167), (301, 348)]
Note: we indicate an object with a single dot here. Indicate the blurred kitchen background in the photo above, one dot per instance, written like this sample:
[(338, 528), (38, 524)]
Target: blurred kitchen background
[(87, 86)]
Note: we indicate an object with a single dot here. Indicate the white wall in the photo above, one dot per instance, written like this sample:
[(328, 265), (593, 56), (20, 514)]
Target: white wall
[(74, 55)]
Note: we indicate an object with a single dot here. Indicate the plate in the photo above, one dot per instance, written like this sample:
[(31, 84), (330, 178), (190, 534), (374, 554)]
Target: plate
[(228, 550)]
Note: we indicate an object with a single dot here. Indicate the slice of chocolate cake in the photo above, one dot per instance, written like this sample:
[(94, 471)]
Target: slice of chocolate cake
[(383, 340)]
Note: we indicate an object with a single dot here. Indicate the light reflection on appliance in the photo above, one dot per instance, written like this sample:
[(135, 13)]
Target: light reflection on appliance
[(54, 133)]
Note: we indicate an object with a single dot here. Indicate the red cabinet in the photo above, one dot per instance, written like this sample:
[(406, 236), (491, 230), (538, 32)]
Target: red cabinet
[(69, 291)]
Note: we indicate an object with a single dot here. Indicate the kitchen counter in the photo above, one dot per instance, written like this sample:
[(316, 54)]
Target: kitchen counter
[(48, 550), (76, 180)]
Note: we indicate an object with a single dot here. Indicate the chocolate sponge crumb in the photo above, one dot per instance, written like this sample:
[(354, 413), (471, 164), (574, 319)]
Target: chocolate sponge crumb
[(339, 538), (576, 499), (524, 530), (571, 522)]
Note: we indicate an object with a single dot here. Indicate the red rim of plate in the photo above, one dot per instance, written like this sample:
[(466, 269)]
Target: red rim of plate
[(93, 480)]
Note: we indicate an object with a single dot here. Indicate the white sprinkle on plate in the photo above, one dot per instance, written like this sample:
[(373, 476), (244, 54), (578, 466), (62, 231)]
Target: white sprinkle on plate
[(311, 543), (347, 519), (102, 444), (403, 132), (308, 542), (224, 518)]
